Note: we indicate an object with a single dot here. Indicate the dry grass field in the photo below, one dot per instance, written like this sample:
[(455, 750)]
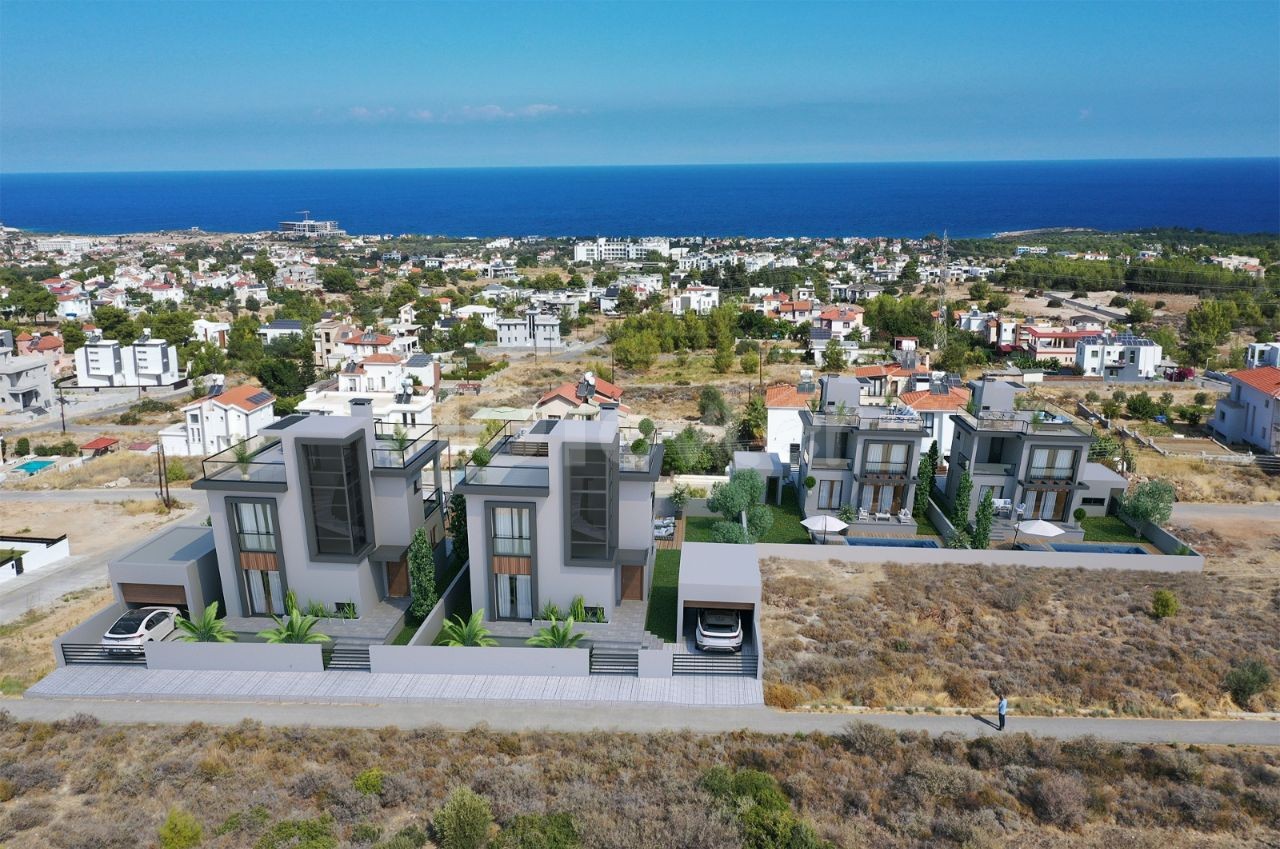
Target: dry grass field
[(80, 785), (26, 645), (140, 469), (837, 634)]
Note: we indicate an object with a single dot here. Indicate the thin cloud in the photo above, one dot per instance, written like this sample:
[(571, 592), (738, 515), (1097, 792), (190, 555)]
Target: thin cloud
[(364, 113), (488, 112)]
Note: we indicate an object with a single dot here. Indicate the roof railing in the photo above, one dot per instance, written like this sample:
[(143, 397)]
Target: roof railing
[(257, 459), (397, 445)]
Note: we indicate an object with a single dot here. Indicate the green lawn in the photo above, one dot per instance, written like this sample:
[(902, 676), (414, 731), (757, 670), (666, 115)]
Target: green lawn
[(405, 635), (661, 619), (786, 523), (1107, 529)]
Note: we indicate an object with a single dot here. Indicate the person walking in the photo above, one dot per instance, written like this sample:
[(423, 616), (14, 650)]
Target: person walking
[(1002, 709)]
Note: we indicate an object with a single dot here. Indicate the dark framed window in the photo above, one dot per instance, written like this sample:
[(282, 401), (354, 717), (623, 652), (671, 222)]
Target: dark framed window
[(590, 492), (255, 526), (336, 491)]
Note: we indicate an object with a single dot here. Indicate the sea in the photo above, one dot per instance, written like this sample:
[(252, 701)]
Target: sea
[(966, 199)]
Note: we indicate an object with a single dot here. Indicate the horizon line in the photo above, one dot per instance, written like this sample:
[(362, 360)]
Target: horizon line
[(321, 169)]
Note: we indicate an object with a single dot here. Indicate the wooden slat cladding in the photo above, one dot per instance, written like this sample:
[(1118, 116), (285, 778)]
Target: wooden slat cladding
[(508, 565), (153, 594), (259, 561)]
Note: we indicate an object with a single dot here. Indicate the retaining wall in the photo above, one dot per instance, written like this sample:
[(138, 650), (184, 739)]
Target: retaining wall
[(986, 557), (235, 657), (447, 606), (495, 660)]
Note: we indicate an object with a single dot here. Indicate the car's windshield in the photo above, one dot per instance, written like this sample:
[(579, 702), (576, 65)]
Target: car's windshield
[(129, 623), (720, 620)]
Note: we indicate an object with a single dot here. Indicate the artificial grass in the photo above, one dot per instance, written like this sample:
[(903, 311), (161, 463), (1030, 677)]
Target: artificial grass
[(406, 634), (1107, 529), (663, 595)]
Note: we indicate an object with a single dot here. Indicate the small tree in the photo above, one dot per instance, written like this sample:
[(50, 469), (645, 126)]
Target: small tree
[(1246, 680), (723, 359), (1164, 604), (1151, 501), (833, 358), (928, 469), (1079, 514), (646, 428), (458, 526), (750, 362), (982, 521), (23, 446), (740, 500), (960, 510), (463, 822), (422, 575), (180, 831), (712, 408)]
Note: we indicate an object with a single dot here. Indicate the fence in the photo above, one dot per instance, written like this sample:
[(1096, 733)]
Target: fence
[(494, 660)]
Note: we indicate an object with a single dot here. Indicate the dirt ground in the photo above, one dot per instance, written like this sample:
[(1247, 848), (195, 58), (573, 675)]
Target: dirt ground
[(1236, 550)]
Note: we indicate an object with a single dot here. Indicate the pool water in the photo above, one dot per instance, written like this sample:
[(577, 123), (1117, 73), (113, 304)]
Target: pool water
[(33, 466), (884, 542), (1098, 547)]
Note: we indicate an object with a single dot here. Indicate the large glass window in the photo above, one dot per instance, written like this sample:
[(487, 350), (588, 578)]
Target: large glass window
[(511, 532), (887, 458), (513, 596), (1049, 504), (1053, 463), (334, 479), (883, 498), (829, 493), (266, 597), (255, 530), (591, 532)]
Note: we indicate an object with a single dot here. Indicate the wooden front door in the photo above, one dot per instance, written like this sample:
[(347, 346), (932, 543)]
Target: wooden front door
[(632, 583), (398, 579)]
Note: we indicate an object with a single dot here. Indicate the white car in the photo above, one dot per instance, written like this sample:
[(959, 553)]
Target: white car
[(719, 630), (138, 626)]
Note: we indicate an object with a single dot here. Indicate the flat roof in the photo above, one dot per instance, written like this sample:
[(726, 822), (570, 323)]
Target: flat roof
[(708, 565), (761, 461), (175, 545), (1098, 473)]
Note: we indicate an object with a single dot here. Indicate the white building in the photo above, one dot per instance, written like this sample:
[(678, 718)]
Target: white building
[(279, 329), (68, 245), (1118, 356), (1251, 411), (784, 430), (26, 383), (219, 420), (488, 315), (75, 305), (532, 330), (935, 406), (1260, 354), (607, 250), (696, 299), (147, 362), (211, 331), (386, 381)]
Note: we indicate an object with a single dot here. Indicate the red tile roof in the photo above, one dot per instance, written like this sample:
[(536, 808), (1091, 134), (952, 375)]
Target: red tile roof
[(605, 391), (388, 359), (1265, 379), (787, 397), (48, 343), (926, 401), (99, 443)]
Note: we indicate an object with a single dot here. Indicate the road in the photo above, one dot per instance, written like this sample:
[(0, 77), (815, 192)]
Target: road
[(565, 716), (45, 586), (1192, 512), (54, 420)]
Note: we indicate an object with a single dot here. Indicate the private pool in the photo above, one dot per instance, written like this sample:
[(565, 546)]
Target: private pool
[(33, 466), (1098, 547), (886, 542)]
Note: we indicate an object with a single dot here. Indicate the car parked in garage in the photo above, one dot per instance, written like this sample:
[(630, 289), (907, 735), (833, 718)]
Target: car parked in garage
[(719, 630), (139, 626)]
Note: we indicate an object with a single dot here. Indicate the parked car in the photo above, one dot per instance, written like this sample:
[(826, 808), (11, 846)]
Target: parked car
[(138, 626), (719, 630)]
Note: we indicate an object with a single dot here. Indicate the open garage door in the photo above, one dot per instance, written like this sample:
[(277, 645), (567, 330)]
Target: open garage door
[(142, 594)]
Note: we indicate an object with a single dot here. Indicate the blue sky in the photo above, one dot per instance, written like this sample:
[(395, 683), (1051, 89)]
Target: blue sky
[(221, 85)]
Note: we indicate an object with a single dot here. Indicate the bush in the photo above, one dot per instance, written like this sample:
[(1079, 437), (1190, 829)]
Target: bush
[(1246, 680), (1058, 800), (176, 470), (129, 417), (300, 834), (463, 821), (180, 831), (23, 446), (369, 782), (1164, 604), (646, 428), (783, 696), (750, 362), (539, 831), (640, 447), (1079, 514), (864, 738), (481, 456), (1054, 303), (730, 532)]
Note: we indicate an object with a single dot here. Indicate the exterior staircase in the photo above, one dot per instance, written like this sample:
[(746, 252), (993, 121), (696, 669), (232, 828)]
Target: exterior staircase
[(615, 659), (352, 657)]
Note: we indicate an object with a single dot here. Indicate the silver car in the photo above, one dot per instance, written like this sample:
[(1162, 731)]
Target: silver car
[(138, 626), (719, 630)]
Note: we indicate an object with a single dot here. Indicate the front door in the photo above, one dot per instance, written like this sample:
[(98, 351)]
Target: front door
[(398, 579), (632, 583)]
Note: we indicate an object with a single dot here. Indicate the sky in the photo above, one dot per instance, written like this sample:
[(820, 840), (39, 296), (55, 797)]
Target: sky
[(142, 86)]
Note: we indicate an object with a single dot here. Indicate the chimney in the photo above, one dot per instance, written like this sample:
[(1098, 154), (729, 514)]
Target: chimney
[(609, 413), (361, 408)]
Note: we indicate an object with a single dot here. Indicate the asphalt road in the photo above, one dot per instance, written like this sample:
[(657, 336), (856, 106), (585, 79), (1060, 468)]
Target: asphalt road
[(562, 716), (1265, 514)]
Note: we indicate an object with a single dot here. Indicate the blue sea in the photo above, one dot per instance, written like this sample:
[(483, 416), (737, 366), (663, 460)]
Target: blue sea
[(901, 199)]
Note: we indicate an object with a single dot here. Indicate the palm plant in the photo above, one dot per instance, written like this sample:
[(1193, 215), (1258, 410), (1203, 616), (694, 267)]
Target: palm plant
[(400, 438), (556, 636), (205, 628), (295, 628), (471, 632)]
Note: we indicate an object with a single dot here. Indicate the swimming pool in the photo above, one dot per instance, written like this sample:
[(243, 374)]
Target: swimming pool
[(1098, 547), (885, 542), (33, 466)]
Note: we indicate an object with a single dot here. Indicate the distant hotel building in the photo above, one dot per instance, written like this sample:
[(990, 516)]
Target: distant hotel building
[(605, 250), (311, 229)]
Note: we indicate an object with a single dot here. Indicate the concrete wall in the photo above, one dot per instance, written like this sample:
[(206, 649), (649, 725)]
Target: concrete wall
[(235, 657), (657, 663), (88, 632), (635, 514), (38, 552), (990, 557), (396, 516), (450, 604), (495, 660), (1159, 537)]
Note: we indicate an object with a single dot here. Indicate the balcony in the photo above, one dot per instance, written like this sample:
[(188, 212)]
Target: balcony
[(507, 476), (1039, 421), (831, 464), (886, 469), (992, 469), (1051, 474), (257, 460), (875, 418), (397, 446), (628, 460)]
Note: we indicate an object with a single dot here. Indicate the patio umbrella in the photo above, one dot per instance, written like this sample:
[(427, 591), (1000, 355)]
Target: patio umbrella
[(824, 525), (1037, 528)]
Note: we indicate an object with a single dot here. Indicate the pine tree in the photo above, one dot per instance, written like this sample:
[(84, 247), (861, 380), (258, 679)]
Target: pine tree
[(982, 522)]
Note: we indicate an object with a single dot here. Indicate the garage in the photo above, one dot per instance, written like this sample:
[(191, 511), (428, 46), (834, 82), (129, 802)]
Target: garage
[(720, 586), (137, 595)]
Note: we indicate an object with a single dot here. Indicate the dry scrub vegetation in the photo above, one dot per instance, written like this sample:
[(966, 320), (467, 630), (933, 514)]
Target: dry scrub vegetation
[(1056, 640), (1197, 480), (79, 785)]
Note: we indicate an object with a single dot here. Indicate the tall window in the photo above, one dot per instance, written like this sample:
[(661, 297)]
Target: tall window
[(256, 537), (1055, 463), (829, 493), (883, 497), (511, 533), (337, 497), (511, 559), (255, 530), (591, 531)]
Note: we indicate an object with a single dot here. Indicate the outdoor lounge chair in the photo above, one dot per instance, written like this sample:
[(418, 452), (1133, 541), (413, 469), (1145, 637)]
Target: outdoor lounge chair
[(863, 515)]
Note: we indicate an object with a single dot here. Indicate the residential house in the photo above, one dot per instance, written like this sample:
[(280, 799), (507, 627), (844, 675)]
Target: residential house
[(211, 331), (147, 362), (531, 330), (219, 420), (399, 389), (1041, 343), (844, 322), (784, 430), (323, 507), (935, 406), (582, 400), (696, 299), (860, 456), (488, 315), (26, 383), (1118, 356), (73, 305), (1250, 413), (326, 335), (562, 509), (1258, 354), (279, 329)]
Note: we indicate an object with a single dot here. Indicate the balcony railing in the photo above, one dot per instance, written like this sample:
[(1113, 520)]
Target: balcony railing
[(1050, 473), (885, 468), (259, 459), (886, 421), (396, 446), (631, 438), (1022, 421), (531, 476), (830, 463)]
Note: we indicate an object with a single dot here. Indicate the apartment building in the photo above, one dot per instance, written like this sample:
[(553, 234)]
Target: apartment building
[(26, 383), (1258, 354), (608, 250), (563, 508), (1250, 413), (532, 330), (861, 456), (696, 299), (1118, 356), (399, 389), (1032, 460), (147, 362), (324, 507), (219, 420)]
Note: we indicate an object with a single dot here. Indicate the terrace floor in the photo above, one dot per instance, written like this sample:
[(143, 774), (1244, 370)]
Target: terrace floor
[(336, 687), (376, 625), (626, 627)]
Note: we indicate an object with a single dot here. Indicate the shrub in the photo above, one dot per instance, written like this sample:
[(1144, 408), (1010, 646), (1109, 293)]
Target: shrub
[(810, 482), (422, 575), (463, 821), (646, 427), (1151, 501), (129, 417), (730, 532), (1164, 604), (864, 738), (481, 456), (1079, 515), (1246, 680), (369, 782), (300, 834), (1057, 799), (23, 446), (176, 470), (783, 696), (365, 833), (1054, 303), (180, 831), (539, 831), (640, 447)]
